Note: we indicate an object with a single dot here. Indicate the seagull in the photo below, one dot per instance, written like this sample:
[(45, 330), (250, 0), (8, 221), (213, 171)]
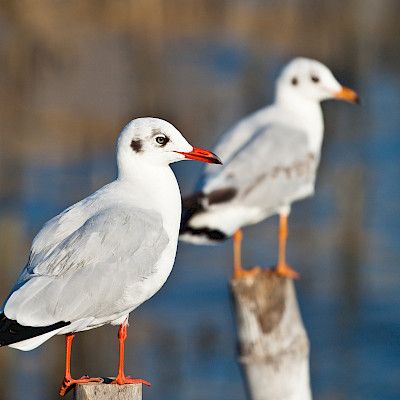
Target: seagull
[(104, 256), (270, 160)]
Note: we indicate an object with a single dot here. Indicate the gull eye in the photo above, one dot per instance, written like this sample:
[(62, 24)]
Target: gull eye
[(162, 140), (314, 78), (294, 81)]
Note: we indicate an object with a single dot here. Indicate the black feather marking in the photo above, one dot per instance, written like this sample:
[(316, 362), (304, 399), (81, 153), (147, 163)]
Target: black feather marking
[(221, 195), (12, 332), (212, 234), (193, 201), (192, 205), (136, 145)]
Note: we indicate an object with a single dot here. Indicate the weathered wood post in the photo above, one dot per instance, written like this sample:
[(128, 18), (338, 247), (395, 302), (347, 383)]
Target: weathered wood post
[(103, 391), (274, 348)]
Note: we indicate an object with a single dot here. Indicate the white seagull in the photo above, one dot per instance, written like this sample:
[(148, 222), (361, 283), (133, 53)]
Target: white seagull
[(270, 160), (101, 258)]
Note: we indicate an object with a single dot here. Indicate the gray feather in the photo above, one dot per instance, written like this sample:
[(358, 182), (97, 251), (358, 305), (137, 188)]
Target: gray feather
[(273, 168), (102, 260)]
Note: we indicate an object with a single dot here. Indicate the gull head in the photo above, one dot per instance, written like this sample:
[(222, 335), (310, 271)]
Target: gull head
[(153, 141), (309, 80)]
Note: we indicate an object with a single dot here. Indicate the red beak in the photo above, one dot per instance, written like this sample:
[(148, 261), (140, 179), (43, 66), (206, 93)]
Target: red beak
[(201, 155)]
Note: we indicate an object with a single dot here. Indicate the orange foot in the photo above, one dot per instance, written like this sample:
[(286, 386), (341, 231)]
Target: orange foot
[(68, 383), (243, 273), (126, 380), (286, 272)]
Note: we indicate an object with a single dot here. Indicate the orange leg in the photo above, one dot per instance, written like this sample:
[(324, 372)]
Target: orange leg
[(121, 379), (68, 380), (238, 270), (282, 268)]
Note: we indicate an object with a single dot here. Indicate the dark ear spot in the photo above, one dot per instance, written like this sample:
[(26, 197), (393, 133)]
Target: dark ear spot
[(295, 81), (136, 145)]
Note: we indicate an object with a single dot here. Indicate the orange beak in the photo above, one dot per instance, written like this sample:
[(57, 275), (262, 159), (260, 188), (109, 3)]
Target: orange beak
[(201, 155), (347, 94)]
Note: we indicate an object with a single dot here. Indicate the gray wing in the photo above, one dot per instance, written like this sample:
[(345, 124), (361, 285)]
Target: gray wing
[(232, 140), (237, 137), (273, 168), (90, 272), (67, 222)]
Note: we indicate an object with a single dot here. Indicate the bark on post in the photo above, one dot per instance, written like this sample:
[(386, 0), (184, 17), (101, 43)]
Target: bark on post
[(103, 391), (274, 347)]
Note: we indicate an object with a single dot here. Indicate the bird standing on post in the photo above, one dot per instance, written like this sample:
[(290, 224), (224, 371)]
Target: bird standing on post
[(270, 160), (101, 258)]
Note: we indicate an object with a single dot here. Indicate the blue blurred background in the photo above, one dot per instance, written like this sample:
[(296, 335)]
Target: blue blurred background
[(73, 73)]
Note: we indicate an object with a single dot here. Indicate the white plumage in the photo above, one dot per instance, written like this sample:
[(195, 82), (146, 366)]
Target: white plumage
[(270, 157), (101, 258)]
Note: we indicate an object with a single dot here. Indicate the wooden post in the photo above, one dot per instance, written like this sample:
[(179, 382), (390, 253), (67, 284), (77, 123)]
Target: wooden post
[(274, 348), (103, 391)]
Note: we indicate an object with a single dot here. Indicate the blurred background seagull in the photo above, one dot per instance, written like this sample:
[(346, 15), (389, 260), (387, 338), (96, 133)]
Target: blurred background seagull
[(270, 160), (100, 259)]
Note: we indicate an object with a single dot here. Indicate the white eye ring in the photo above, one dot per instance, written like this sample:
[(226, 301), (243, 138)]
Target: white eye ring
[(161, 140)]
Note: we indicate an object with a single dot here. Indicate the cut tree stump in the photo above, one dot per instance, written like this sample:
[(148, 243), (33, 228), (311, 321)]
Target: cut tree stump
[(103, 391), (274, 347)]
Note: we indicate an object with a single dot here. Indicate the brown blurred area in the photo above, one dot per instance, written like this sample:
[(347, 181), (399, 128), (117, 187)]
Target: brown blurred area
[(72, 73)]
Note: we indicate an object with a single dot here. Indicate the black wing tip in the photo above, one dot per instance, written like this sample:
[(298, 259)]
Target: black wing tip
[(223, 195), (213, 235), (193, 201), (191, 205), (12, 332)]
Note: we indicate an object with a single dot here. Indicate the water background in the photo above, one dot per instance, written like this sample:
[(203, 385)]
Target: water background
[(73, 73)]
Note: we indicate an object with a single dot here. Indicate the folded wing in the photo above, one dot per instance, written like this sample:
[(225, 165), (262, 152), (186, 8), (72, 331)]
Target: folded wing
[(275, 167), (96, 271)]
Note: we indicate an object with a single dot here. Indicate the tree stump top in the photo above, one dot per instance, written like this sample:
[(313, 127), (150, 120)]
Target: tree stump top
[(103, 391)]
